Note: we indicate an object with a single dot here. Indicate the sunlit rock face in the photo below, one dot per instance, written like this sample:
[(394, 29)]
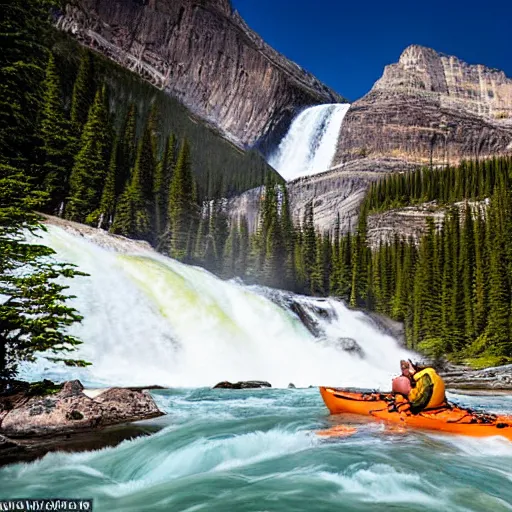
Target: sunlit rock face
[(203, 53), (429, 108)]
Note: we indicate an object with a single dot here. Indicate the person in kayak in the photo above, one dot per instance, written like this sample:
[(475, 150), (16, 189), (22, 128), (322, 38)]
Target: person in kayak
[(426, 391)]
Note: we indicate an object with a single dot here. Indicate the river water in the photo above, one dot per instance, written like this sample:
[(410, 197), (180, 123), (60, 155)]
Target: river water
[(256, 450)]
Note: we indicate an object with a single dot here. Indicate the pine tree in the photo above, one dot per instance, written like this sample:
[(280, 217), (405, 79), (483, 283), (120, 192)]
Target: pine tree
[(221, 229), (288, 233), (480, 288), (181, 209), (498, 324), (202, 231), (467, 265), (361, 257), (24, 26), (162, 183), (127, 150), (335, 277), (142, 186), (231, 252), (211, 257), (33, 314), (91, 163), (56, 140), (456, 314), (83, 94), (243, 254), (316, 277), (424, 305), (309, 249), (104, 216)]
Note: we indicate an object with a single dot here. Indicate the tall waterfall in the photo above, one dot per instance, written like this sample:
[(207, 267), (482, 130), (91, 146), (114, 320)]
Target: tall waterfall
[(310, 144), (149, 320)]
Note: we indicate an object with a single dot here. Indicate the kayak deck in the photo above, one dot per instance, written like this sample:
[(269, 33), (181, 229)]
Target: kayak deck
[(450, 419)]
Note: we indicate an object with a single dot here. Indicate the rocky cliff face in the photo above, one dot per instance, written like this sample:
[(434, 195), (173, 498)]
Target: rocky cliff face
[(428, 108), (201, 52)]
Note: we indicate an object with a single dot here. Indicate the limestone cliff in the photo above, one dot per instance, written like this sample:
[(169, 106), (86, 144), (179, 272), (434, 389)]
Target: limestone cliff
[(201, 52), (430, 108)]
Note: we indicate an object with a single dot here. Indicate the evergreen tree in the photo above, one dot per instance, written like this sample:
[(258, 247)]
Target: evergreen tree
[(243, 253), (309, 249), (56, 140), (480, 284), (231, 252), (104, 216), (288, 233), (498, 324), (91, 163), (127, 150), (211, 257), (316, 277), (360, 260), (456, 311), (202, 231), (467, 266), (24, 26), (83, 94), (162, 183), (335, 277), (33, 314), (182, 210), (141, 187)]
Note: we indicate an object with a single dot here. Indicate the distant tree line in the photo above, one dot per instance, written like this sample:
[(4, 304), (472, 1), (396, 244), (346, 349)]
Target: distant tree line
[(452, 288), (470, 180)]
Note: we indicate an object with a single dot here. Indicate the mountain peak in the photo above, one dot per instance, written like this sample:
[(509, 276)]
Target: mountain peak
[(423, 70)]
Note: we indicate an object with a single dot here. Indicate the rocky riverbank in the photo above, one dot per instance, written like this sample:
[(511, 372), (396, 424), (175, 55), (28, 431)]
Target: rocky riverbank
[(68, 419), (498, 378)]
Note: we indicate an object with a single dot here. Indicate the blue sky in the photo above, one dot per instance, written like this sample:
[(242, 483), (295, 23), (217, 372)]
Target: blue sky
[(347, 44)]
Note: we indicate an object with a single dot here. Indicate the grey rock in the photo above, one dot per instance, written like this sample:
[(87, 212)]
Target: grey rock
[(202, 53), (249, 384), (71, 388), (495, 378), (350, 345), (70, 410), (410, 221)]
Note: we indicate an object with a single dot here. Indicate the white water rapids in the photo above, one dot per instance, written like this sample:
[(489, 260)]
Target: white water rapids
[(309, 146), (150, 320)]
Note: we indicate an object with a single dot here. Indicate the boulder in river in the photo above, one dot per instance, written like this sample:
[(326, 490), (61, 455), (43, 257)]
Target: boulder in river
[(71, 409), (67, 418), (246, 384)]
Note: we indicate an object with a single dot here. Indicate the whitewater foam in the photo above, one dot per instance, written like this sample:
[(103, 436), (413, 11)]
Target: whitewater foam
[(152, 320)]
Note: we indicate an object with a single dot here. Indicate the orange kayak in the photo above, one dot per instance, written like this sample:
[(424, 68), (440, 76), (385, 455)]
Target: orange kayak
[(450, 419)]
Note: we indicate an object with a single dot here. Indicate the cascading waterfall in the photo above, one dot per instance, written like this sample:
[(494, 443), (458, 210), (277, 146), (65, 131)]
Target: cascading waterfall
[(149, 320), (310, 144)]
